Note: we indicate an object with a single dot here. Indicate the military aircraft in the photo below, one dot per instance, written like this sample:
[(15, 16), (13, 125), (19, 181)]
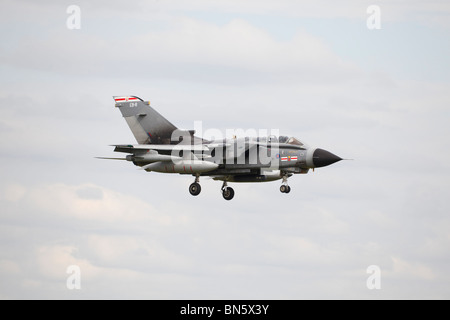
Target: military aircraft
[(162, 147)]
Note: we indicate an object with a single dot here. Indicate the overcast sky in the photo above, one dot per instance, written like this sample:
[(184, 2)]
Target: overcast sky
[(310, 69)]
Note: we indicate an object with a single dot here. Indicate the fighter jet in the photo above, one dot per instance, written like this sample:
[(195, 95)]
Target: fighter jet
[(162, 147)]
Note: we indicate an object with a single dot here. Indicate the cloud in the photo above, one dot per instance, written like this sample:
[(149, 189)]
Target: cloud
[(137, 234), (53, 261), (392, 11), (119, 239), (85, 202), (190, 50), (404, 268), (14, 192), (9, 267)]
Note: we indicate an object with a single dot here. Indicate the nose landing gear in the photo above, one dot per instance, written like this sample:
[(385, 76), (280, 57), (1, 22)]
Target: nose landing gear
[(284, 188)]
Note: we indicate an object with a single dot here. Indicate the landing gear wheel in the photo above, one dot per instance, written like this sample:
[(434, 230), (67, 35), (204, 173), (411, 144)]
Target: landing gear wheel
[(228, 193), (285, 188), (195, 189)]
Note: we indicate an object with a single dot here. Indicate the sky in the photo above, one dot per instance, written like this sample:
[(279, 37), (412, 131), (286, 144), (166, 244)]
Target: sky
[(314, 70)]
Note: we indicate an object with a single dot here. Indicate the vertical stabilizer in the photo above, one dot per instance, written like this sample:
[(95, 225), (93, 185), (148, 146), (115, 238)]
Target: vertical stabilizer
[(147, 125)]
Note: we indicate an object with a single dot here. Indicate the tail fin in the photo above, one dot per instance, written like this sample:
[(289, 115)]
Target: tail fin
[(147, 125)]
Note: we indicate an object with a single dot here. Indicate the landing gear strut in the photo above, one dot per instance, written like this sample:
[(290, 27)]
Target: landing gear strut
[(284, 187), (227, 192), (195, 187)]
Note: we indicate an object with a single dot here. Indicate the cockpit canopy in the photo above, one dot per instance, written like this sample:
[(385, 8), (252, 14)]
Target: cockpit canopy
[(281, 139), (289, 140)]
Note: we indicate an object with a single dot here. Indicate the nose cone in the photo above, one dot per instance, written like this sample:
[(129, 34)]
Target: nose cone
[(322, 158)]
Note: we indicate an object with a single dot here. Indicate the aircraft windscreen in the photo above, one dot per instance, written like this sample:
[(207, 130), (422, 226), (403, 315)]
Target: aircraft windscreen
[(295, 141)]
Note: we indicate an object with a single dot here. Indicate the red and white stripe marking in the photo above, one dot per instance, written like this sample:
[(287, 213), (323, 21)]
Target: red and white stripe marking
[(289, 158), (125, 99)]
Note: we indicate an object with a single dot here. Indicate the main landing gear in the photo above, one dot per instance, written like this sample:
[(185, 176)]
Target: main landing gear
[(285, 187), (227, 192), (195, 187)]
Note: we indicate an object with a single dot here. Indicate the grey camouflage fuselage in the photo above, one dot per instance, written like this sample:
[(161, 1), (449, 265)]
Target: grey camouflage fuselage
[(162, 147)]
